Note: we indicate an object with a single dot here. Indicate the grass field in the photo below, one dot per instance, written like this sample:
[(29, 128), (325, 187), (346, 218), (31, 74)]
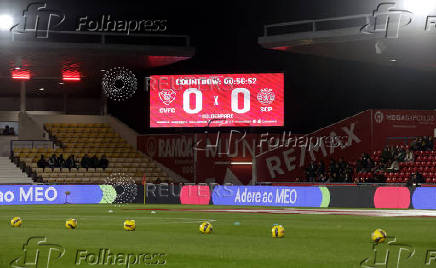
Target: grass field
[(310, 241)]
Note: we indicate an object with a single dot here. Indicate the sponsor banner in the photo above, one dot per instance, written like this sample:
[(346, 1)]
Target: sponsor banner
[(352, 196), (162, 193), (424, 198), (173, 151), (195, 195), (56, 194), (270, 196), (217, 100), (400, 126), (392, 197), (347, 138), (281, 157), (216, 153)]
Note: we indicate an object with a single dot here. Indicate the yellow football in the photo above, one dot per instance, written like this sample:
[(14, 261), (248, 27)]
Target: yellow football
[(379, 236), (129, 225), (71, 224), (16, 222), (206, 227), (278, 231)]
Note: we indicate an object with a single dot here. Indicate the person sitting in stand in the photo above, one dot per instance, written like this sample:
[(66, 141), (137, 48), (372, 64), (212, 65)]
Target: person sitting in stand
[(321, 168), (61, 161), (42, 163), (410, 157), (85, 162), (93, 162), (104, 163), (71, 162), (429, 144), (395, 166), (6, 130), (53, 161)]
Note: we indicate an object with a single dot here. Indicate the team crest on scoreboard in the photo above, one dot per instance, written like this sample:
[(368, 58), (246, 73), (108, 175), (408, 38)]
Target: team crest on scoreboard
[(167, 96), (266, 96)]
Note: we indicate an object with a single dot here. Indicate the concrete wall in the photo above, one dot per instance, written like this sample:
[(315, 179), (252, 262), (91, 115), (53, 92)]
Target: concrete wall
[(73, 105), (6, 116), (29, 129), (5, 145), (125, 132), (40, 119)]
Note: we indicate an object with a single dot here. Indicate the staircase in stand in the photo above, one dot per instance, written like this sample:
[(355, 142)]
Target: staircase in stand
[(11, 174)]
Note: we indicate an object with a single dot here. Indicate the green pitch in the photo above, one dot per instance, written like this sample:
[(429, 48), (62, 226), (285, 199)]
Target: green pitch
[(172, 237)]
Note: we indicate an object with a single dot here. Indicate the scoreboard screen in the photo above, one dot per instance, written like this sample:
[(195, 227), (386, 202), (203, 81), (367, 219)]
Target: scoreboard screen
[(217, 100)]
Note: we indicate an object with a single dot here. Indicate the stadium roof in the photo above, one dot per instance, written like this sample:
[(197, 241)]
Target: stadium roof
[(89, 53), (388, 34)]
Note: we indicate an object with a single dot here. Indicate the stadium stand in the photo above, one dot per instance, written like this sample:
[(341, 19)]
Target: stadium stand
[(80, 139), (415, 163)]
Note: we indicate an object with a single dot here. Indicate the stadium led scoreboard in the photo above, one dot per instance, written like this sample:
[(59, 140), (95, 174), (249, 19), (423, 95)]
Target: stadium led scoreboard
[(217, 100)]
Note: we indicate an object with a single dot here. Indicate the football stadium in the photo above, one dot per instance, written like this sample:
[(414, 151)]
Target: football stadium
[(217, 134)]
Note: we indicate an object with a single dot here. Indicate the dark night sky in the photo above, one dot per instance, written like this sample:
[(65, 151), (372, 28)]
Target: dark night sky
[(318, 91)]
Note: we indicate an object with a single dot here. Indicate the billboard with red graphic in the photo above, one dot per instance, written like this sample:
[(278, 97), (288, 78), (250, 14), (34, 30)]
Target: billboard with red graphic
[(217, 100)]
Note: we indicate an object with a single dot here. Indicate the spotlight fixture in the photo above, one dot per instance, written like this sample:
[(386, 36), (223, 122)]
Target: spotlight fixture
[(6, 22), (119, 84)]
